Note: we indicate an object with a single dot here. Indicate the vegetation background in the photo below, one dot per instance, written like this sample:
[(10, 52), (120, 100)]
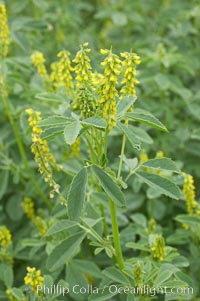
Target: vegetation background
[(166, 35)]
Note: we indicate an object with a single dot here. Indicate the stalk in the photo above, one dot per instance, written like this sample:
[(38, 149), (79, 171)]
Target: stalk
[(116, 238), (113, 212)]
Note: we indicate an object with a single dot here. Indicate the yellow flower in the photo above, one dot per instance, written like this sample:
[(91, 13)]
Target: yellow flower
[(75, 148), (189, 193), (38, 60), (28, 207), (108, 91), (4, 31), (33, 278), (41, 151), (82, 67), (160, 154), (131, 60), (138, 274), (61, 72), (5, 236), (158, 248), (143, 157)]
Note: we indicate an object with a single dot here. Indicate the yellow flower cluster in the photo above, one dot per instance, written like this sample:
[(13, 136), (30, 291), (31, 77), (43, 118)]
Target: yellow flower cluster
[(29, 209), (151, 225), (131, 60), (160, 154), (5, 236), (158, 248), (143, 157), (189, 193), (85, 101), (75, 148), (138, 274), (93, 91), (33, 278), (38, 60), (41, 151), (61, 72), (4, 31), (83, 67), (108, 91)]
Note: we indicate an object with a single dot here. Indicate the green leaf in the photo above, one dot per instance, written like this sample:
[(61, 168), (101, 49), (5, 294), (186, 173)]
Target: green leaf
[(181, 261), (140, 134), (164, 185), (6, 274), (87, 267), (175, 283), (124, 104), (183, 277), (4, 182), (76, 195), (50, 97), (109, 186), (32, 242), (132, 138), (17, 293), (64, 251), (71, 132), (60, 226), (54, 121), (162, 277), (186, 219), (116, 276), (52, 132), (146, 118), (137, 246), (103, 294), (95, 121), (161, 164)]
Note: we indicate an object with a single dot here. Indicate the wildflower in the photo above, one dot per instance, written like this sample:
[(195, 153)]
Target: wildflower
[(158, 248), (61, 72), (189, 193), (83, 67), (138, 274), (108, 91), (151, 226), (75, 148), (160, 154), (5, 237), (28, 207), (4, 32), (131, 60), (84, 99), (86, 102), (33, 278), (143, 157), (41, 225), (41, 151), (38, 60)]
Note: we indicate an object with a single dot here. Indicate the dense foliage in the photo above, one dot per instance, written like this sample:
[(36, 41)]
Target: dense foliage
[(99, 150)]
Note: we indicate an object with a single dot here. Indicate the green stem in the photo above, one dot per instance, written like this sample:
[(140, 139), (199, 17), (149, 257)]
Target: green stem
[(106, 141), (113, 212), (116, 237), (121, 156)]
